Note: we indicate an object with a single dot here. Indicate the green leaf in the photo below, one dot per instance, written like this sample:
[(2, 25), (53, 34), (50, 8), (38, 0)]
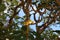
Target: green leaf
[(14, 2), (2, 7)]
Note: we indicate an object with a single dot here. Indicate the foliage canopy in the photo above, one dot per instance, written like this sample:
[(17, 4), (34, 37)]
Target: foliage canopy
[(15, 27)]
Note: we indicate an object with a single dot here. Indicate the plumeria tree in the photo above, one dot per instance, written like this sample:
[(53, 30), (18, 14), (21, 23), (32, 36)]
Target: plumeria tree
[(15, 27)]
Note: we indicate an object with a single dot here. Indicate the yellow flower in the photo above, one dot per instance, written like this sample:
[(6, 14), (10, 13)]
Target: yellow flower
[(27, 22)]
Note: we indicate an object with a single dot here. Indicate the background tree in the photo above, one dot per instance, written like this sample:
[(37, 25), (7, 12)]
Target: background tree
[(15, 27)]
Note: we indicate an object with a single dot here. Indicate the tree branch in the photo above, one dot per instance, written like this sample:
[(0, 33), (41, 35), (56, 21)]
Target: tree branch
[(44, 26), (15, 13)]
